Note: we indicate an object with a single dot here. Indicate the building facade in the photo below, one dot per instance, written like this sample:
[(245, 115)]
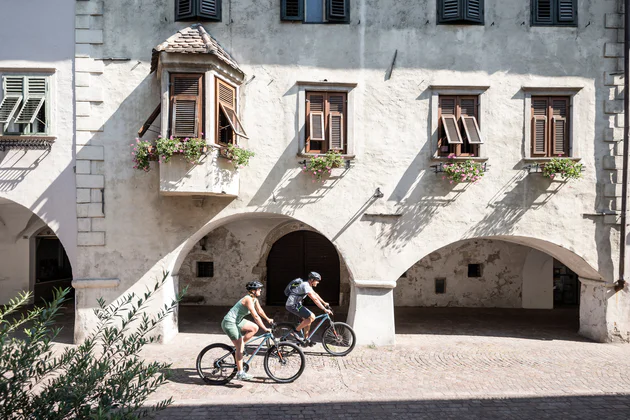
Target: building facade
[(401, 90)]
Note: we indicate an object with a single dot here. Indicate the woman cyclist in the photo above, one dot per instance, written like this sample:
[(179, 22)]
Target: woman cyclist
[(239, 329)]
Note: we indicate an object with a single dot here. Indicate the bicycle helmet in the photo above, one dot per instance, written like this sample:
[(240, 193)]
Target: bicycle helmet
[(314, 276), (253, 285)]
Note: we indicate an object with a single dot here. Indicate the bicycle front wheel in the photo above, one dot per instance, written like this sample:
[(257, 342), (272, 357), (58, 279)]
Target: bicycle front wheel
[(339, 339), (284, 362), (216, 364)]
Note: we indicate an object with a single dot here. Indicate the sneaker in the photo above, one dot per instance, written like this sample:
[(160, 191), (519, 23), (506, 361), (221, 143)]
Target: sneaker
[(244, 376)]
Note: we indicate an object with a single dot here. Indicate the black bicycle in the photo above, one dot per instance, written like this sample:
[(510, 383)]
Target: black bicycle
[(338, 339), (284, 362)]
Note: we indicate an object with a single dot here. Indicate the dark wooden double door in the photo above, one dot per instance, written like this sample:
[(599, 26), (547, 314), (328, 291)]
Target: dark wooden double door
[(295, 255)]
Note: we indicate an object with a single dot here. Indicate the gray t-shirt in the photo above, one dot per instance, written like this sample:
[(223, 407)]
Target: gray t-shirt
[(298, 294)]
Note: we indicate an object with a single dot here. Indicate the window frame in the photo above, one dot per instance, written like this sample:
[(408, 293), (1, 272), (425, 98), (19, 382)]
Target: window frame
[(326, 128), (326, 15), (349, 89), (196, 14), (575, 132), (47, 74), (464, 19), (451, 90), (555, 19), (200, 106)]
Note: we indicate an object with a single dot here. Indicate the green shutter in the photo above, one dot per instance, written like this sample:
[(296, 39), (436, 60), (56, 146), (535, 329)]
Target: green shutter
[(209, 10), (450, 11), (554, 13), (338, 11), (474, 11), (185, 9), (567, 12), (36, 88), (292, 10), (13, 93)]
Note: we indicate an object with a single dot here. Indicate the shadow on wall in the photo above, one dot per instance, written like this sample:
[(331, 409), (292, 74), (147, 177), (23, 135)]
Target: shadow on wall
[(15, 165)]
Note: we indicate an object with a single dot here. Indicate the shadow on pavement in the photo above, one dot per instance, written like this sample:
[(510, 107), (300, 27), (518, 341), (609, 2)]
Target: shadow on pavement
[(611, 407)]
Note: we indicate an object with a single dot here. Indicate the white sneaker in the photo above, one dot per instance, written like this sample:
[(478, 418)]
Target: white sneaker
[(244, 376)]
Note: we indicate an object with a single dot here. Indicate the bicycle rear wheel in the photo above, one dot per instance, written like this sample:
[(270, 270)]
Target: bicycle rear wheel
[(339, 339), (283, 331), (216, 364), (284, 362)]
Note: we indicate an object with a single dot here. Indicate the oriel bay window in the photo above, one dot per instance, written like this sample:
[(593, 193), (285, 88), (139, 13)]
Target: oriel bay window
[(24, 108), (458, 126), (550, 126), (326, 122)]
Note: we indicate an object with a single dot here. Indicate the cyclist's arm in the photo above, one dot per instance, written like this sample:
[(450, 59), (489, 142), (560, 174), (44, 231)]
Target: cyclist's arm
[(317, 301), (320, 299), (250, 305), (262, 313)]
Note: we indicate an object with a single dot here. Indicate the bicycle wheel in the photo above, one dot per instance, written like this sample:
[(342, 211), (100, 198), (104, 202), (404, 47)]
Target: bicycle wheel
[(284, 362), (339, 339), (216, 364), (283, 331)]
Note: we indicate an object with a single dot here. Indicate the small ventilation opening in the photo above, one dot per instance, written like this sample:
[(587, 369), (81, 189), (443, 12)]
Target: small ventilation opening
[(440, 286), (474, 270), (205, 269)]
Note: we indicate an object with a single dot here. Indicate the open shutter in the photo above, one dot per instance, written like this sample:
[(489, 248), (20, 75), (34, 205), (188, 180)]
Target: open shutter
[(315, 107), (336, 113), (185, 9), (472, 130), (13, 93), (450, 10), (226, 113), (292, 10), (234, 121), (147, 124), (567, 12), (34, 99), (474, 11), (338, 11), (453, 135), (560, 126), (186, 105), (540, 131), (542, 12), (209, 10)]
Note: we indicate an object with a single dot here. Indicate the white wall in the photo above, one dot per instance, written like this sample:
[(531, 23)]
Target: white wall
[(538, 281)]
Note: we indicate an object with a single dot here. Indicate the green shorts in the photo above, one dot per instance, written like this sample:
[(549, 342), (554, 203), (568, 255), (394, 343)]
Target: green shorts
[(232, 329)]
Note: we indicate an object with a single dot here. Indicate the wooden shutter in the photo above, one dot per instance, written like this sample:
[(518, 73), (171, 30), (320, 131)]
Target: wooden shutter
[(316, 106), (474, 11), (186, 104), (473, 134), (453, 135), (36, 88), (209, 9), (292, 10), (336, 113), (338, 11), (13, 93), (560, 126), (567, 11), (540, 131), (449, 10), (228, 124), (147, 124), (185, 9)]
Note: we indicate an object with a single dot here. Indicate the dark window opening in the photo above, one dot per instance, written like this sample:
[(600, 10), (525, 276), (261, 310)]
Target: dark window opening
[(474, 270), (440, 286), (205, 269), (226, 134)]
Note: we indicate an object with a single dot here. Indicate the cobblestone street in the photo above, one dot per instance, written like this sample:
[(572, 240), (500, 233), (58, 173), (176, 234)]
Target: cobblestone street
[(449, 364)]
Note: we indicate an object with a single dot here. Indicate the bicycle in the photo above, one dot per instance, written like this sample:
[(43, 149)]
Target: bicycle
[(338, 339), (284, 362)]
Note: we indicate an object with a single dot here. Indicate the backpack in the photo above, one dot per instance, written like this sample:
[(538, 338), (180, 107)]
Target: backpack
[(292, 286)]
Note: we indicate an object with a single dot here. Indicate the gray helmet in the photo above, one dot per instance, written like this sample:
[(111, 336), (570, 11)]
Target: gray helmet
[(253, 285), (314, 276)]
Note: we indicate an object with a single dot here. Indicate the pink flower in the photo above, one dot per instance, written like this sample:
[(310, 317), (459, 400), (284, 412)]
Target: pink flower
[(450, 182)]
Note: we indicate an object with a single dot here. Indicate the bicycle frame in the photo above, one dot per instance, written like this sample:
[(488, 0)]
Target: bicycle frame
[(264, 339), (324, 317)]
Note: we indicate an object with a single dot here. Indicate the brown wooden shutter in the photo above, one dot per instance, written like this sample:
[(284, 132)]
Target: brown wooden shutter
[(540, 130), (316, 106), (473, 134), (453, 135), (560, 126), (225, 108), (336, 113), (186, 104)]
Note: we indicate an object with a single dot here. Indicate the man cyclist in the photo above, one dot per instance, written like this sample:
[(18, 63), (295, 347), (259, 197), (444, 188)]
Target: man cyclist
[(295, 300)]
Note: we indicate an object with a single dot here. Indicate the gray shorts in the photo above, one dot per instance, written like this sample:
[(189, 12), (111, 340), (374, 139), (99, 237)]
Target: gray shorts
[(300, 311)]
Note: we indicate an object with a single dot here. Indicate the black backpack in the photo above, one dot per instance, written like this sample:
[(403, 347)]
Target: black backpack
[(289, 290)]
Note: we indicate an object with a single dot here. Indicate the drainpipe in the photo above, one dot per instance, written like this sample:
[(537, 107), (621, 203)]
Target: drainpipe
[(626, 120)]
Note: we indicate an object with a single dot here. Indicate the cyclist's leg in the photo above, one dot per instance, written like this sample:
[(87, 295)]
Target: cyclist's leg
[(308, 318), (238, 354), (248, 329)]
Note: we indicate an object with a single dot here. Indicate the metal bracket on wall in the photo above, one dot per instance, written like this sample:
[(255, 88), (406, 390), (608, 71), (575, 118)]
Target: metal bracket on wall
[(538, 168)]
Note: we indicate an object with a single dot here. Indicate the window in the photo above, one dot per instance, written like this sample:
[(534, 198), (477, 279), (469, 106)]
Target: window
[(326, 122), (440, 286), (458, 126), (316, 11), (554, 13), (460, 12), (186, 103), (24, 108), (228, 124), (197, 10), (550, 126), (474, 270), (205, 269)]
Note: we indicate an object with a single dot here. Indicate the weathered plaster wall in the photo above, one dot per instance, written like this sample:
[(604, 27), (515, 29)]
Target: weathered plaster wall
[(42, 181), (500, 284), (538, 280), (146, 232), (239, 252)]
